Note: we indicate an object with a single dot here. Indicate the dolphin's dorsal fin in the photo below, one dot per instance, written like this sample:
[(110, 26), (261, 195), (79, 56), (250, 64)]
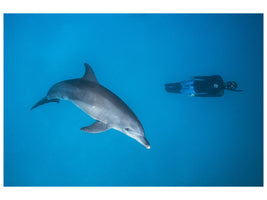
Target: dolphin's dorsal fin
[(89, 74)]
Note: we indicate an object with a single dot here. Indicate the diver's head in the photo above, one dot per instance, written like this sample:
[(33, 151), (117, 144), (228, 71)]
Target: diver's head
[(231, 85)]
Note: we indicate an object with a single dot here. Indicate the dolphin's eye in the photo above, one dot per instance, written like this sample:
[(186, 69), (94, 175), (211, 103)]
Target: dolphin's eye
[(127, 129)]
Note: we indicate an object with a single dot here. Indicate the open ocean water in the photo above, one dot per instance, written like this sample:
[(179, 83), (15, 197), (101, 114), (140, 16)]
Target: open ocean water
[(194, 141)]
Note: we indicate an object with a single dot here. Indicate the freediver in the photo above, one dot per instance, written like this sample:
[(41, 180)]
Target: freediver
[(203, 86)]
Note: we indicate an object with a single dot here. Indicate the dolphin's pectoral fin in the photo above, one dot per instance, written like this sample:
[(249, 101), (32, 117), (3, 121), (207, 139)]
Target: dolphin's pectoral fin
[(89, 74), (96, 127), (43, 101)]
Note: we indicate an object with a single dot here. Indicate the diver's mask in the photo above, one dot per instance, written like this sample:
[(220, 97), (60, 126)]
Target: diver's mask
[(231, 85)]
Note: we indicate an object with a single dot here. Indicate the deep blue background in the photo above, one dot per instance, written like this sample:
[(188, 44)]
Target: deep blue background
[(194, 141)]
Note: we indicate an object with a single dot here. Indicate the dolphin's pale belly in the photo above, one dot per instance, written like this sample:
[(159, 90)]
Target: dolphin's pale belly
[(98, 112), (103, 105)]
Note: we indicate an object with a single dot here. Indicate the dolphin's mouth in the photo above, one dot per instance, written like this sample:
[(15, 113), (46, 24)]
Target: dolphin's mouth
[(137, 136), (144, 142)]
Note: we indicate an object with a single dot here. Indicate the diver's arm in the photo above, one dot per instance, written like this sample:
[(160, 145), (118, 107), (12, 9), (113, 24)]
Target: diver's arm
[(207, 78), (207, 95), (200, 77), (214, 77), (237, 90)]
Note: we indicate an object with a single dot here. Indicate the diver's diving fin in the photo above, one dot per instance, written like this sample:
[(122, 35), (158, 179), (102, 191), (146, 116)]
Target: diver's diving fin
[(173, 87), (43, 101), (96, 127)]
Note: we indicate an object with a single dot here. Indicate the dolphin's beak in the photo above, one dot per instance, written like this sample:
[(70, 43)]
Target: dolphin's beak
[(144, 142)]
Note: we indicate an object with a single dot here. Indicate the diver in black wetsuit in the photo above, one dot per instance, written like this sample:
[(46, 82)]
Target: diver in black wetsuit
[(203, 86)]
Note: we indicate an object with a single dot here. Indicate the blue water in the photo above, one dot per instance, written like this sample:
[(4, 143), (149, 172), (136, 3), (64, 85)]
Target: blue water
[(194, 141)]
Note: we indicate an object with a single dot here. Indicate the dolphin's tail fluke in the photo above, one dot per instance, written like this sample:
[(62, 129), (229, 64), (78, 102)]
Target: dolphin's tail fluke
[(43, 101)]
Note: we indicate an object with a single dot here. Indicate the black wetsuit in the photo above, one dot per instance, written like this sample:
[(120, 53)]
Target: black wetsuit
[(209, 86), (204, 86)]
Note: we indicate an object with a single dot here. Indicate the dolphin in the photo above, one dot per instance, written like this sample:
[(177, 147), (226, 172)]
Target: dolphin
[(101, 104)]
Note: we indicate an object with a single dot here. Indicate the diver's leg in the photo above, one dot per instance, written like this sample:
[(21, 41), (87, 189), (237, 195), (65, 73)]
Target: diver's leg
[(188, 91), (192, 91), (188, 88), (186, 84), (184, 87)]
